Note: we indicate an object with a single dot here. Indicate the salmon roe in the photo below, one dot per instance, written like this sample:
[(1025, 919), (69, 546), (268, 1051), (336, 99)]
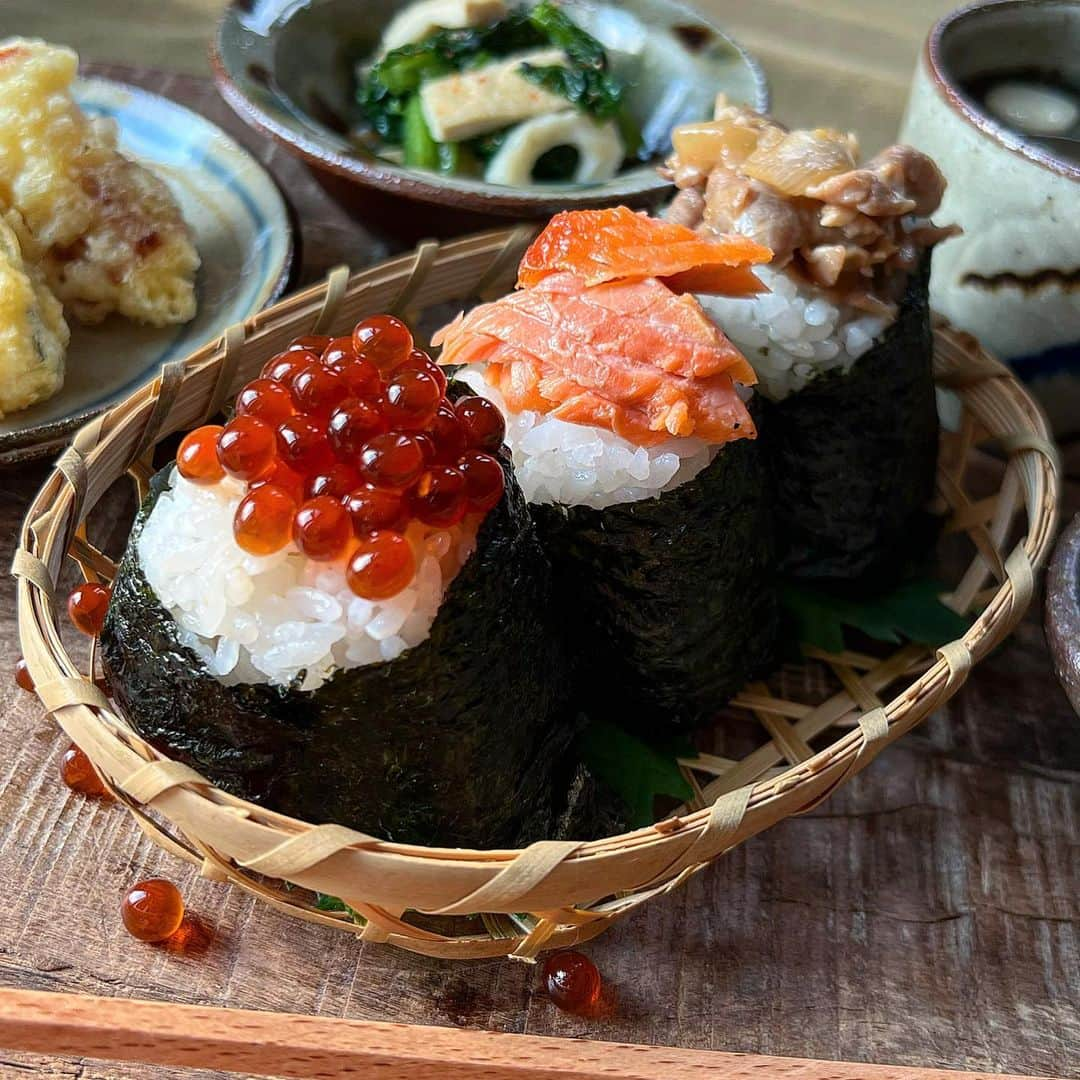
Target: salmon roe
[(152, 910), (267, 400), (246, 447), (23, 679), (197, 457), (483, 423), (382, 565), (87, 607), (573, 982), (79, 775), (322, 528), (383, 340), (343, 443), (264, 520)]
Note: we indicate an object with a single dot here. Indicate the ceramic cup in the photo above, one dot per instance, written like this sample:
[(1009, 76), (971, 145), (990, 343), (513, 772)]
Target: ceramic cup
[(1013, 278)]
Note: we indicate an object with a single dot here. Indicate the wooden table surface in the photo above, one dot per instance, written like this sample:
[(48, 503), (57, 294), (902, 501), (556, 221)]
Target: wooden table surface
[(926, 915)]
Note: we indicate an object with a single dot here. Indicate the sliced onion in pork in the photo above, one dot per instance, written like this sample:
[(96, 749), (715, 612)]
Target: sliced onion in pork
[(801, 159)]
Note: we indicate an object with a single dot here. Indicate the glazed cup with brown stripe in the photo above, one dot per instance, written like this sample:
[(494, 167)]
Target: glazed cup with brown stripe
[(1013, 277)]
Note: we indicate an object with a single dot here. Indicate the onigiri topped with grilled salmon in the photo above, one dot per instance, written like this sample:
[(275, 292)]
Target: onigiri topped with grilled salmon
[(630, 421), (614, 381)]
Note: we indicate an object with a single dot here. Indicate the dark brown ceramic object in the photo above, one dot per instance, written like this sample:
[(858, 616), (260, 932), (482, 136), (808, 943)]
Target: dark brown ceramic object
[(1063, 611), (288, 69)]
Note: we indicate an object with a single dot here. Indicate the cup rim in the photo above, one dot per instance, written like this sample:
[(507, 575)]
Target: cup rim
[(963, 105)]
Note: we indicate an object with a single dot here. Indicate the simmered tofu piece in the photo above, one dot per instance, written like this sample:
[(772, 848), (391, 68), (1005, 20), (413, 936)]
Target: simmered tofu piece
[(417, 21), (111, 237), (472, 103), (33, 334)]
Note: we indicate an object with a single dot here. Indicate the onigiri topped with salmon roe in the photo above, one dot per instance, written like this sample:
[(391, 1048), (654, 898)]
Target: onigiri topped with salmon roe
[(319, 528)]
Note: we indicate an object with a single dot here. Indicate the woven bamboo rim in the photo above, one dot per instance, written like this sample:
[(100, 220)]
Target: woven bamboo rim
[(553, 893)]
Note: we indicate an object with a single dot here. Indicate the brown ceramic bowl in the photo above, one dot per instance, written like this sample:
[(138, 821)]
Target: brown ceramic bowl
[(1063, 611), (288, 69)]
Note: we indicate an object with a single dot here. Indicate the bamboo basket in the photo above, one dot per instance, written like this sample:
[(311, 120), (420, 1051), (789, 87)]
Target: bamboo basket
[(553, 893)]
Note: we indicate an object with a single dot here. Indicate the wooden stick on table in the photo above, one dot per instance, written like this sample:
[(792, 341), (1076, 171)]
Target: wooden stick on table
[(283, 1044)]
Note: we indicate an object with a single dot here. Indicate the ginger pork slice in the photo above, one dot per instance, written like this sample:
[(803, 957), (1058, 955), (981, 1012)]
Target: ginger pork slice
[(110, 237), (33, 333)]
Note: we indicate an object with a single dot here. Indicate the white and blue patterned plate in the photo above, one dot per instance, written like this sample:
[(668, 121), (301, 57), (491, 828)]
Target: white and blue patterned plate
[(243, 233)]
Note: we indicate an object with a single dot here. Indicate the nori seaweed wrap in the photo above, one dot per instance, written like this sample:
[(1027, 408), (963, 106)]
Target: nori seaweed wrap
[(669, 603), (854, 455), (457, 742)]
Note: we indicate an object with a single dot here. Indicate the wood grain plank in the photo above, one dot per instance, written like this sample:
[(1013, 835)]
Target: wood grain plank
[(305, 1046)]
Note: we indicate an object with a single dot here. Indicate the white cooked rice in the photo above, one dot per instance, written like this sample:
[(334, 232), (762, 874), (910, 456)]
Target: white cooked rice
[(793, 333), (274, 619), (577, 465)]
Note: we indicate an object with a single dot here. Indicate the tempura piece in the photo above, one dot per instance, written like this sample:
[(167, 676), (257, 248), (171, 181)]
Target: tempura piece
[(110, 235), (33, 334)]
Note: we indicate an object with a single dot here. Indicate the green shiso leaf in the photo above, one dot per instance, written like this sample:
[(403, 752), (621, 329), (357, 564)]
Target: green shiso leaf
[(911, 611), (635, 770), (324, 902)]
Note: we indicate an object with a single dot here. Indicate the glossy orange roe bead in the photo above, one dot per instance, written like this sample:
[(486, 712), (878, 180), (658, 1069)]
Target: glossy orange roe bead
[(372, 508), (88, 605), (336, 482), (411, 399), (382, 565), (314, 343), (284, 367), (573, 982), (283, 477), (448, 434), (394, 461), (246, 447), (79, 775), (267, 400), (23, 678), (263, 520), (352, 424), (303, 446), (439, 498), (197, 457), (322, 529), (339, 351), (317, 390), (361, 377), (383, 340), (484, 480), (483, 423), (152, 910), (418, 360)]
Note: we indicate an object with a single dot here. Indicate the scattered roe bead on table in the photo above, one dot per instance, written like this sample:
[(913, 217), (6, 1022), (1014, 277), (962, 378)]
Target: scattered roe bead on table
[(79, 775), (152, 910), (87, 607), (572, 980), (23, 679)]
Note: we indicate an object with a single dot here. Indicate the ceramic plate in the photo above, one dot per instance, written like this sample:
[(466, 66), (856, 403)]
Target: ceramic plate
[(243, 233)]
